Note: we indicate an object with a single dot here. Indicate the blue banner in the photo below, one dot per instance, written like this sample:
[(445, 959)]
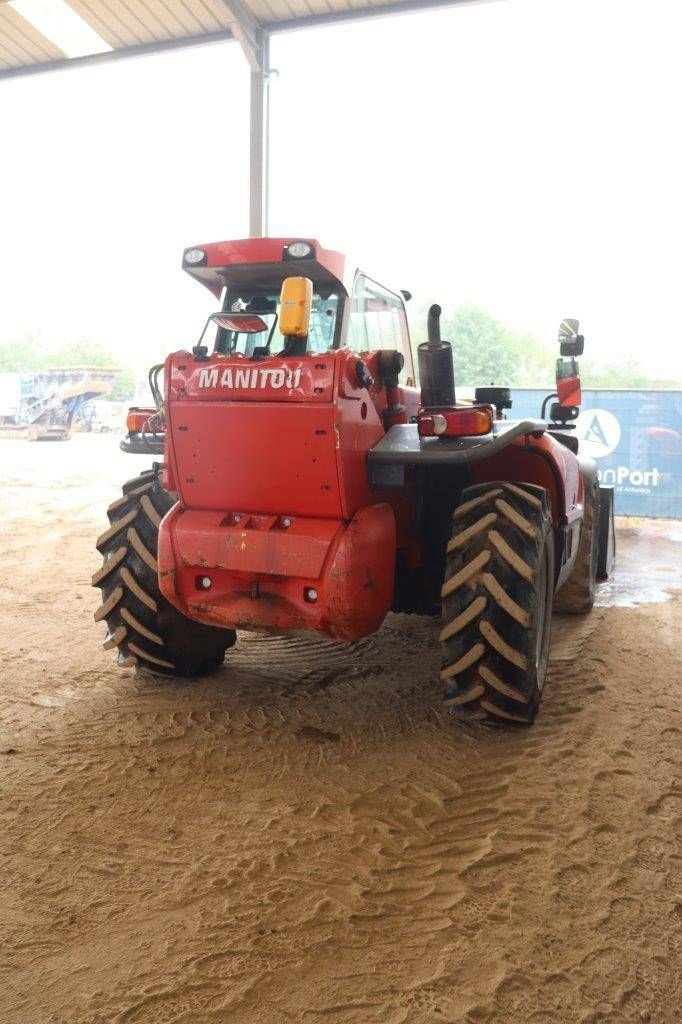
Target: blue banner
[(636, 438)]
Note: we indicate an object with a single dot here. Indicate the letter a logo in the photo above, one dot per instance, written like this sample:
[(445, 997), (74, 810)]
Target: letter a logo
[(598, 432), (595, 433)]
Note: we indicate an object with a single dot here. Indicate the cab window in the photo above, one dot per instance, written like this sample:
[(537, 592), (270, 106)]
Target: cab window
[(377, 319), (322, 324)]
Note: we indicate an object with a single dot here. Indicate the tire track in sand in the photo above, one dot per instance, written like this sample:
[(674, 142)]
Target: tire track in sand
[(306, 836)]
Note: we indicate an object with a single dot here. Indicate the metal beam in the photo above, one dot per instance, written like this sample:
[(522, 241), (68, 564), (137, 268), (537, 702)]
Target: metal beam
[(259, 143), (247, 31), (282, 25), (142, 50), (255, 44), (364, 13)]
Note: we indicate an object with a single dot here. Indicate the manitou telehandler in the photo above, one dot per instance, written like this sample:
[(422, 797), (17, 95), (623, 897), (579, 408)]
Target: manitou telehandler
[(306, 483)]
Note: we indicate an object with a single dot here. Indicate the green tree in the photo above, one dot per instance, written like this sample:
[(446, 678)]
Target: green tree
[(29, 355), (20, 356), (486, 352), (81, 352), (626, 373), (123, 388)]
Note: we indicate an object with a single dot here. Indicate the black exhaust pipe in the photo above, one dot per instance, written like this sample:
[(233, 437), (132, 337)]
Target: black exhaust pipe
[(436, 370)]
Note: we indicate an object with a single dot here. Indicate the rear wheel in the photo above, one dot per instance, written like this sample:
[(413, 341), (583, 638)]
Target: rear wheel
[(146, 630), (497, 603), (578, 592)]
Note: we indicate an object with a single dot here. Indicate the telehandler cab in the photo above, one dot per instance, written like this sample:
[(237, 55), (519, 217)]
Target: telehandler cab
[(306, 483)]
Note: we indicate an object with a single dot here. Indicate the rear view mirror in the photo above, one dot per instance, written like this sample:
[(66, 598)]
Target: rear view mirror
[(568, 328), (242, 323), (570, 342)]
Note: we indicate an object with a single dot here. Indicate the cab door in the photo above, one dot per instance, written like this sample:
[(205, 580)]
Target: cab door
[(377, 323)]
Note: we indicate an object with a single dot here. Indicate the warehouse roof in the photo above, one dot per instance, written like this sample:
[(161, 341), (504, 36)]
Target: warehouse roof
[(35, 36)]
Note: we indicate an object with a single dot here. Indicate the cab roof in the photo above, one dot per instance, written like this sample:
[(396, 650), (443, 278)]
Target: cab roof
[(260, 261)]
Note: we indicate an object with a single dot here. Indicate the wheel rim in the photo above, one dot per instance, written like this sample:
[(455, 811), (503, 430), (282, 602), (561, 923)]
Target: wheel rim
[(542, 623)]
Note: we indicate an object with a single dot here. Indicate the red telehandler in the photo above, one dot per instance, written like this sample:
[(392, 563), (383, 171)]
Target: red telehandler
[(307, 483)]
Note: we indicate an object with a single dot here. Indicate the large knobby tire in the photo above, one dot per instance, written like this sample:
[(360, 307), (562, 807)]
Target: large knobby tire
[(497, 603), (577, 594), (148, 631)]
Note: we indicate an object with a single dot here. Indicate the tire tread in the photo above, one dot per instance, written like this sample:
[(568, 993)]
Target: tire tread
[(501, 534), (145, 629)]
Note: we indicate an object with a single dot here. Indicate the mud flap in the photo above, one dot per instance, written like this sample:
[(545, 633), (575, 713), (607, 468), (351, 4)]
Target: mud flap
[(606, 534)]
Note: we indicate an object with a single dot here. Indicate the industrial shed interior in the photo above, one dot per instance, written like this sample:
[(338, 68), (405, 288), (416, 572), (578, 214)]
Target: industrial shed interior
[(308, 834)]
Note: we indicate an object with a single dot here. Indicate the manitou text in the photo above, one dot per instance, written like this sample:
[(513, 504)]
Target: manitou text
[(250, 377)]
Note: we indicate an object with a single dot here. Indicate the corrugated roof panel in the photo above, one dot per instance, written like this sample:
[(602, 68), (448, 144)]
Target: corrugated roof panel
[(219, 11), (322, 7), (298, 8), (9, 57), (124, 24), (129, 24), (160, 19), (177, 19), (212, 19), (105, 23), (189, 24), (124, 15), (262, 10), (21, 42), (155, 23), (282, 11)]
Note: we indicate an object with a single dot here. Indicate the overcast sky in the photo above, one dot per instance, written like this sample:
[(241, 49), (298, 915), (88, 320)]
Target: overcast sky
[(524, 155)]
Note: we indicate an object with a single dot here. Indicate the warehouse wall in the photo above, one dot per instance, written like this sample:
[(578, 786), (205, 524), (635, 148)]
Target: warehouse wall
[(636, 437)]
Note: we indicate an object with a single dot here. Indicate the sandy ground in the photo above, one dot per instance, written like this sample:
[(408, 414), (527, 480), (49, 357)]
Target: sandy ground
[(306, 836)]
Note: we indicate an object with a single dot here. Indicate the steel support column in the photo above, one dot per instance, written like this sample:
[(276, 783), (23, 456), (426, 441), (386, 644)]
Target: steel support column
[(259, 143), (255, 43)]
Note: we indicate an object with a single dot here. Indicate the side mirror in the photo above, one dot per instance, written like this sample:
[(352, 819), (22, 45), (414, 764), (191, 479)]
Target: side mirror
[(570, 342), (296, 300), (242, 323)]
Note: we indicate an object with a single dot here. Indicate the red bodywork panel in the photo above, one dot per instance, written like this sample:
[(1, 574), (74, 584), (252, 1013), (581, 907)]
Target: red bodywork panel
[(268, 459), (274, 436), (543, 461)]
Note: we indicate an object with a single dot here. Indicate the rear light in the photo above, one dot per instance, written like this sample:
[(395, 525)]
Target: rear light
[(137, 419), (469, 422)]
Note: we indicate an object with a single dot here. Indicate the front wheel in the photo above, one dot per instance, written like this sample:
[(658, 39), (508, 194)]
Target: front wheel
[(497, 602), (143, 626)]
